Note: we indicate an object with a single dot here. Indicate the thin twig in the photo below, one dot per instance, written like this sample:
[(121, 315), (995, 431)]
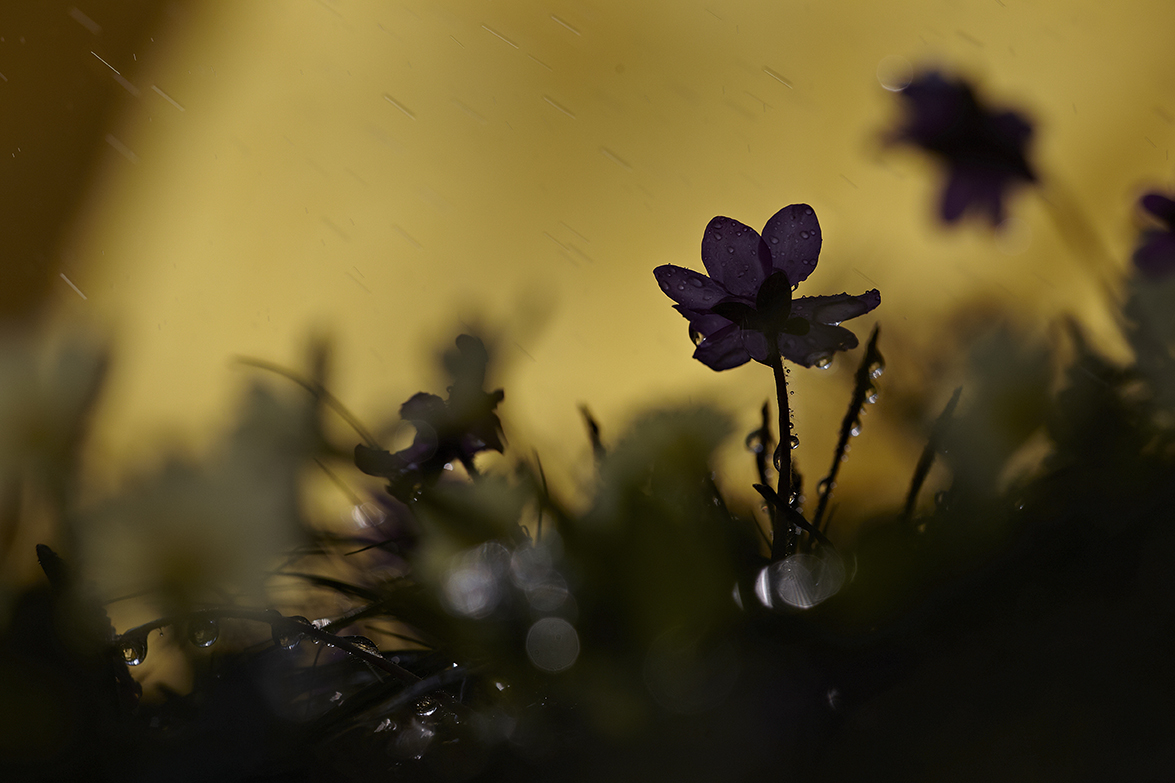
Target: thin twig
[(320, 393)]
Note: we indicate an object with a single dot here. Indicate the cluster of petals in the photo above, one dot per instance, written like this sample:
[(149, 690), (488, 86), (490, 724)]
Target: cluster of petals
[(1155, 254), (984, 150), (739, 261)]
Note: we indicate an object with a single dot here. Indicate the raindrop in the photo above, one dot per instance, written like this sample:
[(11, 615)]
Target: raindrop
[(825, 486), (681, 286), (552, 644), (134, 650), (804, 235), (755, 443), (426, 707), (895, 73), (695, 336), (804, 580), (856, 430), (876, 369), (775, 240), (823, 363), (794, 441), (664, 286), (777, 458), (696, 282), (363, 643), (730, 249), (287, 638), (871, 397), (204, 632)]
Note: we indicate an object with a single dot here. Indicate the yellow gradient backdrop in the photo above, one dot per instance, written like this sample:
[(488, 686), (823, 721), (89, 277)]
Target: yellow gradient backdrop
[(391, 173)]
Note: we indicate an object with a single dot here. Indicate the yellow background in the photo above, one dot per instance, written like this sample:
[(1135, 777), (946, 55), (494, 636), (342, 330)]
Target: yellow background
[(393, 173)]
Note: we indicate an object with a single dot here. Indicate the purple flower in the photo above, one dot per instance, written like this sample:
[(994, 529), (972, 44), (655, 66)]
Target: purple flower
[(1155, 255), (748, 294), (982, 149), (453, 430)]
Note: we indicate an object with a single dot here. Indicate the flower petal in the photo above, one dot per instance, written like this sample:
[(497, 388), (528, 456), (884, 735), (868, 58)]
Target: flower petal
[(820, 342), (703, 323), (687, 287), (793, 238), (735, 256), (831, 310), (423, 406), (1155, 258), (723, 350), (1161, 207)]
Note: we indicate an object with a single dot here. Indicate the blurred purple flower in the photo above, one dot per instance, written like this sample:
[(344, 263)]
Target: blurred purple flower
[(453, 430), (983, 150), (1155, 255), (748, 294)]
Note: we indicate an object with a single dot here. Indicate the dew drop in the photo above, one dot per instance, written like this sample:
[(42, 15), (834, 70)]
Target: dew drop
[(825, 486), (775, 240), (134, 650), (876, 369), (204, 632), (681, 286), (871, 397), (777, 459), (363, 643), (856, 430), (804, 235), (823, 363), (695, 336), (664, 286), (286, 637), (730, 249), (695, 282), (755, 443), (794, 441)]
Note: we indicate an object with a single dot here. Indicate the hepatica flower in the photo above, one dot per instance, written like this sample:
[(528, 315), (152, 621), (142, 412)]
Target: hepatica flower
[(747, 297), (1155, 255), (983, 150)]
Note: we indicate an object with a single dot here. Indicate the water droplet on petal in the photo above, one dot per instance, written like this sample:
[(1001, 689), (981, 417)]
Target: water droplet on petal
[(696, 282), (134, 650), (204, 632), (804, 235), (681, 286), (823, 363), (775, 240), (664, 286), (730, 249)]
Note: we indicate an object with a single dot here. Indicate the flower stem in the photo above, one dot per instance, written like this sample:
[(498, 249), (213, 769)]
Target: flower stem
[(782, 533)]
